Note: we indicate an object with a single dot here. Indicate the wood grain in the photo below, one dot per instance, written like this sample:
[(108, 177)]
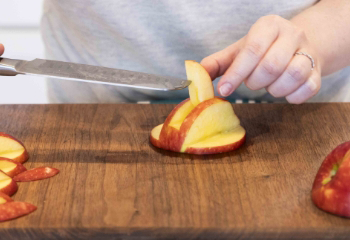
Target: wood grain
[(114, 185)]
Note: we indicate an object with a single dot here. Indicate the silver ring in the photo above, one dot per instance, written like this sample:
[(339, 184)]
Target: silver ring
[(309, 57)]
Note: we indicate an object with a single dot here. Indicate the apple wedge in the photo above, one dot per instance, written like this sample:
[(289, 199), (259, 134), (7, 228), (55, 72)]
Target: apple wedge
[(7, 185), (12, 210), (12, 148), (331, 188), (201, 88), (211, 127), (11, 167), (4, 198), (35, 174)]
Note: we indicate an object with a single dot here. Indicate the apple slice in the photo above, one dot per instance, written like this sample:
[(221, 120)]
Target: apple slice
[(212, 117), (12, 148), (201, 87), (331, 188), (170, 131), (7, 185), (220, 143), (4, 198), (10, 167), (35, 174), (12, 210)]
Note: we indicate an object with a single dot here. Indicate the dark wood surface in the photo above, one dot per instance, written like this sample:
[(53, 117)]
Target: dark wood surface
[(114, 185)]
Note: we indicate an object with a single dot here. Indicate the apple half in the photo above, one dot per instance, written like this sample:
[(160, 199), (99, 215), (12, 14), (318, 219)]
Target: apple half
[(202, 124), (331, 187), (12, 148)]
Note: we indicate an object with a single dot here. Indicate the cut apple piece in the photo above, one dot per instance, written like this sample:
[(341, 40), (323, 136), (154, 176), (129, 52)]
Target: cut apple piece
[(4, 198), (331, 187), (12, 148), (7, 185), (35, 174), (211, 127), (10, 167), (203, 124), (201, 87), (12, 210), (223, 142), (208, 119)]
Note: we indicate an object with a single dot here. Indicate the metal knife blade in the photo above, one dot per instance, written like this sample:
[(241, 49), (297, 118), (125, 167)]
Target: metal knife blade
[(89, 73)]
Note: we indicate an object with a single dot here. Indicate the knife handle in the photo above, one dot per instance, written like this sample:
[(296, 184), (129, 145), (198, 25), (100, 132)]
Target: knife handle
[(8, 67)]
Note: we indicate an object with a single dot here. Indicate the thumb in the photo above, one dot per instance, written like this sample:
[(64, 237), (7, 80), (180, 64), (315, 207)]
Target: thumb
[(217, 63)]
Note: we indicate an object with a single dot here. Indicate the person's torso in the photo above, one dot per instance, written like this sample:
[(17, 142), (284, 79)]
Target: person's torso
[(149, 36)]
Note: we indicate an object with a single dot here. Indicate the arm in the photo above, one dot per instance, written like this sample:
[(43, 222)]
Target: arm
[(264, 58)]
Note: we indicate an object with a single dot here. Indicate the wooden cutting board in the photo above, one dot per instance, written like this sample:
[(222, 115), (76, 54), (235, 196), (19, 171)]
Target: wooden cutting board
[(114, 185)]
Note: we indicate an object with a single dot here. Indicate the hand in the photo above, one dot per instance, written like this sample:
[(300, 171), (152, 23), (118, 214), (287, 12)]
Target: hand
[(2, 49), (264, 58)]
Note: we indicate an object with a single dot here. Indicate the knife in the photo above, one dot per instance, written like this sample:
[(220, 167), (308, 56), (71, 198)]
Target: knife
[(89, 73)]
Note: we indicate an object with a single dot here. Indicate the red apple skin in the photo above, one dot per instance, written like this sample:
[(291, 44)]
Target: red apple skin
[(189, 120), (334, 196), (18, 169), (169, 136), (12, 210), (218, 149), (24, 156), (35, 174), (6, 197)]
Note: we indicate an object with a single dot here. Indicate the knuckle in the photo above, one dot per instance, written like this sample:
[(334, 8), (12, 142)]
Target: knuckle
[(296, 73), (271, 67), (254, 49), (300, 34), (271, 18)]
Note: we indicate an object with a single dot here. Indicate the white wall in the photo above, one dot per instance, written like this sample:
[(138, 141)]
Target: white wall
[(19, 32)]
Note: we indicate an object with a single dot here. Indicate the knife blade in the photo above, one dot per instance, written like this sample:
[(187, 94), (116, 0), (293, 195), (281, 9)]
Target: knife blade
[(92, 74)]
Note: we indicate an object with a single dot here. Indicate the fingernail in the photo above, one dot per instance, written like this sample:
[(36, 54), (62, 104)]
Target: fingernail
[(226, 89)]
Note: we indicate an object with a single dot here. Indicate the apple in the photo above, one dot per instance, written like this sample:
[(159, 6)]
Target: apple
[(36, 174), (331, 188), (4, 198), (12, 148), (201, 88), (12, 210), (202, 124), (7, 185), (11, 167)]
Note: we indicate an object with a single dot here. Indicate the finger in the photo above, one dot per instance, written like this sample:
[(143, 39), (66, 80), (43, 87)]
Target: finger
[(309, 89), (275, 62), (257, 42), (2, 49), (296, 74), (217, 63)]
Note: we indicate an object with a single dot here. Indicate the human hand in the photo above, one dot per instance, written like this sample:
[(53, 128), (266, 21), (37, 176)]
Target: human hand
[(2, 49), (265, 58)]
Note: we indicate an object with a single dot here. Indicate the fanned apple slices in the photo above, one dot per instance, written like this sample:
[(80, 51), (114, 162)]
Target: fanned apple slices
[(202, 124)]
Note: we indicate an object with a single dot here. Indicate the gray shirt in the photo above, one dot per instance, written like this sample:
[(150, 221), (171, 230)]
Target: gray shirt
[(156, 37)]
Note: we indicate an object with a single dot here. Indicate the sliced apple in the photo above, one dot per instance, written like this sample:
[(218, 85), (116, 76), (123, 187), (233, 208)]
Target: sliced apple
[(12, 148), (170, 131), (12, 210), (203, 124), (331, 187), (11, 167), (201, 87), (7, 185), (35, 174), (211, 127), (4, 198)]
